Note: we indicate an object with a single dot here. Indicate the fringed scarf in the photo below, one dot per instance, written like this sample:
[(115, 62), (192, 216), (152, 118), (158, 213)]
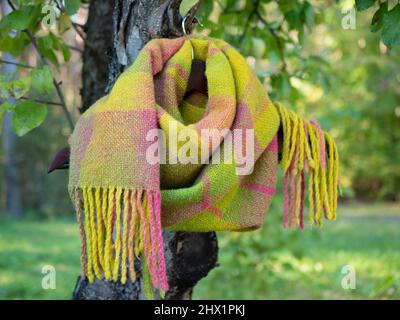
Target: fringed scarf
[(127, 201)]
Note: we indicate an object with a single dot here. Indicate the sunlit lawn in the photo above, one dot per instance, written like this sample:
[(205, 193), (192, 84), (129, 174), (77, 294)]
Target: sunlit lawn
[(259, 265)]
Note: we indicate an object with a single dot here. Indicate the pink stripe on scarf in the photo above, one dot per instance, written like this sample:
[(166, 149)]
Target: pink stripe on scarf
[(303, 188), (145, 233), (269, 191), (161, 260), (153, 256), (219, 213), (286, 199), (273, 145), (292, 196)]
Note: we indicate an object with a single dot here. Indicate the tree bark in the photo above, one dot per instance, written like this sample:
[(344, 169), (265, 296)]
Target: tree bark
[(116, 31)]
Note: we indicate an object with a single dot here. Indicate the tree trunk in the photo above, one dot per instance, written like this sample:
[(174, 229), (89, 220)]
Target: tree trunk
[(115, 32)]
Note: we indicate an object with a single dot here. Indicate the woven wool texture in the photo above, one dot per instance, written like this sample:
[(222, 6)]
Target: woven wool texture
[(122, 201)]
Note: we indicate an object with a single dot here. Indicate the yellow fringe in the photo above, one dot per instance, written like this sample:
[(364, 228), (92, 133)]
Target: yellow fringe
[(117, 233), (315, 150), (113, 233), (83, 257), (124, 237), (100, 227), (108, 245), (104, 203), (88, 236), (93, 233), (302, 142)]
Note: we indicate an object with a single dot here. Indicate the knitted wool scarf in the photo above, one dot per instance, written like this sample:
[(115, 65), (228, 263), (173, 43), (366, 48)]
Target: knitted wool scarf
[(127, 201)]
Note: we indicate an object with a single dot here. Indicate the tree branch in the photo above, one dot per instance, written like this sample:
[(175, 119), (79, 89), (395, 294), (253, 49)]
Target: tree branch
[(42, 101), (192, 15), (22, 65), (79, 32), (272, 31), (74, 24), (251, 15), (75, 48)]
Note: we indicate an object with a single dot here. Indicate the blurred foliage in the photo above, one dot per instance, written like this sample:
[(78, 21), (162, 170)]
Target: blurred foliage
[(39, 24), (384, 20), (43, 195)]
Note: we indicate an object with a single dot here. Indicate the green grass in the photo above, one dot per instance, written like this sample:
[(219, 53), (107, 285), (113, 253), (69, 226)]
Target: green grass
[(278, 264), (27, 246), (270, 263)]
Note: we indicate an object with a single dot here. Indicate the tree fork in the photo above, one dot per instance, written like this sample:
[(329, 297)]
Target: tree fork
[(115, 33)]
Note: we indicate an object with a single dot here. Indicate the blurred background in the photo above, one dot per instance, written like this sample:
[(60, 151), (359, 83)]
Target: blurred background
[(333, 61)]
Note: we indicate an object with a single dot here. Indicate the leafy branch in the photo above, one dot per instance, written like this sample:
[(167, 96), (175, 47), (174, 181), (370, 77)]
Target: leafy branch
[(384, 20), (44, 62)]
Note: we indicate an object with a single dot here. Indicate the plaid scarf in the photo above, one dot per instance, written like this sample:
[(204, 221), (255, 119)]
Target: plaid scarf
[(127, 201)]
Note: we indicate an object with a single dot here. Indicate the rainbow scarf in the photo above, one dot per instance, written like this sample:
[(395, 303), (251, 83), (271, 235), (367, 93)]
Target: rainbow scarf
[(127, 201)]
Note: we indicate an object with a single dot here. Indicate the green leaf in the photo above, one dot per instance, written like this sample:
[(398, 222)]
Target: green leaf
[(64, 22), (59, 45), (185, 6), (46, 48), (364, 4), (23, 18), (281, 83), (273, 49), (65, 51), (377, 19), (18, 19), (6, 107), (42, 80), (72, 6), (20, 87), (309, 15), (293, 19), (287, 5), (391, 27), (28, 115), (14, 45), (258, 46)]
